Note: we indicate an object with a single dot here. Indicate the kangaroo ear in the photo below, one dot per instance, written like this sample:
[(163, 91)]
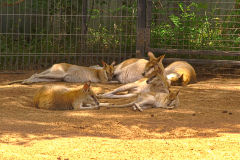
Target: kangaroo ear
[(181, 78), (113, 63), (86, 86), (160, 58), (151, 56), (103, 63)]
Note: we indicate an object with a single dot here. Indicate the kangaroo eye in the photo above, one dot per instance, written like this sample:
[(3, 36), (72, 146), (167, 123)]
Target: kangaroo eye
[(154, 77)]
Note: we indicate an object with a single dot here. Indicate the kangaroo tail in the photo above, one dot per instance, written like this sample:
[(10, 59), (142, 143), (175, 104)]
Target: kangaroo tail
[(121, 105), (17, 81), (122, 88)]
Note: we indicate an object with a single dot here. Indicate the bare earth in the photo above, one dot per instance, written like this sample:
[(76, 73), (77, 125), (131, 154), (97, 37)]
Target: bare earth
[(205, 126)]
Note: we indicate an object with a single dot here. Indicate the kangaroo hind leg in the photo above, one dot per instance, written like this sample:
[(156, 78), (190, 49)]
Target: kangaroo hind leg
[(123, 88), (129, 95)]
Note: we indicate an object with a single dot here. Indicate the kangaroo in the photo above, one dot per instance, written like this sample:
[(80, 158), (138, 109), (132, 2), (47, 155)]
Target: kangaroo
[(155, 82), (62, 98), (130, 70), (180, 71), (73, 73), (145, 100), (175, 72)]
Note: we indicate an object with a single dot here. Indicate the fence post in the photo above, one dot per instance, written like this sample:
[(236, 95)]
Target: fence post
[(148, 25), (141, 25), (84, 23)]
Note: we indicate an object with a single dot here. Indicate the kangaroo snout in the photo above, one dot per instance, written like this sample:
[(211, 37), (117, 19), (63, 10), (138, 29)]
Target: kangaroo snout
[(143, 74), (148, 81)]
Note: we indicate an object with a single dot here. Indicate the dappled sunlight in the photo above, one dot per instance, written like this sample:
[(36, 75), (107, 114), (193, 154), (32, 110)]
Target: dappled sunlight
[(29, 123), (212, 84), (98, 148), (207, 111), (182, 111), (217, 86), (106, 115), (24, 139), (79, 114)]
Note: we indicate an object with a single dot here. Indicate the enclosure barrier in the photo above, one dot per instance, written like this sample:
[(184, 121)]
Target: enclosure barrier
[(37, 34)]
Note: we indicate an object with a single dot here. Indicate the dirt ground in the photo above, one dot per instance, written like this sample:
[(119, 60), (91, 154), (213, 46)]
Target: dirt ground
[(205, 126)]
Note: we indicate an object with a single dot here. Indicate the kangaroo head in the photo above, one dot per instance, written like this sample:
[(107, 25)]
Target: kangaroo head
[(91, 97), (157, 77), (152, 62), (172, 100), (109, 69)]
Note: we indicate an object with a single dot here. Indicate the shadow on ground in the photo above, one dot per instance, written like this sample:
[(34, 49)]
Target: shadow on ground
[(208, 108)]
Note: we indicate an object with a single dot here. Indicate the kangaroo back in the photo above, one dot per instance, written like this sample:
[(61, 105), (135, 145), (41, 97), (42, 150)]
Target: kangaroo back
[(126, 63), (130, 70), (49, 97), (83, 74), (61, 67), (181, 69)]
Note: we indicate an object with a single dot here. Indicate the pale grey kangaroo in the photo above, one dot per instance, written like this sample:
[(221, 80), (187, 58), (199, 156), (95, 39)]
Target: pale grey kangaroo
[(73, 73), (132, 69)]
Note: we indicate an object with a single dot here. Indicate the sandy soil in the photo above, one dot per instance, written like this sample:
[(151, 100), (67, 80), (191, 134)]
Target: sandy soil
[(205, 126)]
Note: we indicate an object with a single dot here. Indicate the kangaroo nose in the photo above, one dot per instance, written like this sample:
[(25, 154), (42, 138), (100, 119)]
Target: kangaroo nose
[(147, 81), (143, 74)]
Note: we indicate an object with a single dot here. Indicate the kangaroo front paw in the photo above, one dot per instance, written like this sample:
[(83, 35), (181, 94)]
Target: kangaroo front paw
[(134, 108), (138, 107)]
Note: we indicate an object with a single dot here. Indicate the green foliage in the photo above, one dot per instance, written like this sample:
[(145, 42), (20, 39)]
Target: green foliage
[(194, 28)]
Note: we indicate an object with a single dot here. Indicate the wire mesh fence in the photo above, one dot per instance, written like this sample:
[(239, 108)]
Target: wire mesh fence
[(36, 34)]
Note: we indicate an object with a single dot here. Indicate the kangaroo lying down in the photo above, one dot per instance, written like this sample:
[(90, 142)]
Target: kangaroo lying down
[(155, 99), (152, 100), (129, 70), (72, 73), (62, 98), (142, 85), (180, 72), (132, 69)]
